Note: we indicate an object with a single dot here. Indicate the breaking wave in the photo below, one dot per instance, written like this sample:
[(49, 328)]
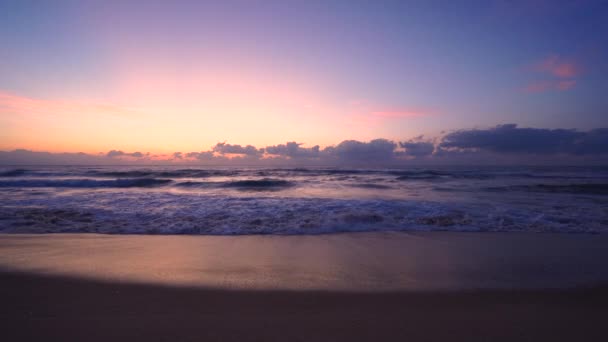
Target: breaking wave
[(13, 173), (85, 183), (164, 213), (261, 184), (370, 186), (221, 201), (584, 188), (265, 184), (398, 174), (185, 173)]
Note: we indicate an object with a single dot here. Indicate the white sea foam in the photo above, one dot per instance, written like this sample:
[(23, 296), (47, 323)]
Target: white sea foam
[(301, 201)]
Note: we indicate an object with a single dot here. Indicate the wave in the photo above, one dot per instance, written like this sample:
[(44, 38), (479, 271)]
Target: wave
[(484, 175), (265, 184), (85, 183), (370, 186), (260, 201), (419, 175), (165, 213), (444, 175), (13, 173), (121, 174), (261, 184), (428, 175), (191, 184), (585, 188), (187, 173)]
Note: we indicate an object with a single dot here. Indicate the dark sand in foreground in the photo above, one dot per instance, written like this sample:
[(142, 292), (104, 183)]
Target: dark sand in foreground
[(65, 309), (351, 287)]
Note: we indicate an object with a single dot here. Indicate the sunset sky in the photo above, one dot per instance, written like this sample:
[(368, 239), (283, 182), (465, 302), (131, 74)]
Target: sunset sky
[(169, 76)]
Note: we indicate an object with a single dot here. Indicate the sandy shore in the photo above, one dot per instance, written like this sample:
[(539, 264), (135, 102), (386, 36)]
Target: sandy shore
[(346, 287), (51, 308), (356, 262)]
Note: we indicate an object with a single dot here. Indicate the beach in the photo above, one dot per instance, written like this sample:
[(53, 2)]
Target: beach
[(303, 171), (363, 286)]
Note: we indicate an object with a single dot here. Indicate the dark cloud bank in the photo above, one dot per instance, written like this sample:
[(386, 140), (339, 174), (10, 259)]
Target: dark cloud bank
[(500, 144)]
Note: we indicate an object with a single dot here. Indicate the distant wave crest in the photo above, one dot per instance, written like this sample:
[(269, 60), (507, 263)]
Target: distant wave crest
[(85, 183), (13, 173), (583, 188), (260, 184)]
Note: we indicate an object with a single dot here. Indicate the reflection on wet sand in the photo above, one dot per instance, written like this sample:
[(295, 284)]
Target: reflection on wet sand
[(353, 261)]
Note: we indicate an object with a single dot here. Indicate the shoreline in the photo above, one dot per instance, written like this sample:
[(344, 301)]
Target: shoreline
[(413, 231), (365, 261), (346, 287)]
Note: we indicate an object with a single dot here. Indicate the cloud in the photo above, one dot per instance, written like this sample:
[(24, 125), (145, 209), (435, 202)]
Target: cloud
[(510, 139), (559, 67), (118, 153), (27, 157), (563, 73), (249, 150), (416, 148), (201, 156), (115, 153), (500, 144), (352, 151), (293, 150)]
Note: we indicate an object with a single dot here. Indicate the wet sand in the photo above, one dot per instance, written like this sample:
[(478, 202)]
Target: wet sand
[(338, 262), (347, 287)]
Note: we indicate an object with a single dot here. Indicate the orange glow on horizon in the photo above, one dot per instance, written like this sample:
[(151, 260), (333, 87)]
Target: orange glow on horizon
[(162, 114)]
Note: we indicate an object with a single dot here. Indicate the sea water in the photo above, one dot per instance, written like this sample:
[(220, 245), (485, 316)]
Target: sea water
[(228, 201)]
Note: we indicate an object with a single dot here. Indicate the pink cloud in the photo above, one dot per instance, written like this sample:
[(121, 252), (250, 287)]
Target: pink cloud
[(559, 67), (562, 74)]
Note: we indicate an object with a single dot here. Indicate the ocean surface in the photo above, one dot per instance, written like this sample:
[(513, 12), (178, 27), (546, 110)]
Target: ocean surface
[(229, 201)]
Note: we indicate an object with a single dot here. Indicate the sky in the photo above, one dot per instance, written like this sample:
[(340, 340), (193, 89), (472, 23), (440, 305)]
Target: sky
[(151, 79)]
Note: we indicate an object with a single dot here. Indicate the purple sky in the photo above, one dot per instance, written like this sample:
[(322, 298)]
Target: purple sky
[(161, 77)]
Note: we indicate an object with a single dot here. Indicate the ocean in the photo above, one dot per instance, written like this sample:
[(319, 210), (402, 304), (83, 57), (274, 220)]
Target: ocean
[(236, 201)]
